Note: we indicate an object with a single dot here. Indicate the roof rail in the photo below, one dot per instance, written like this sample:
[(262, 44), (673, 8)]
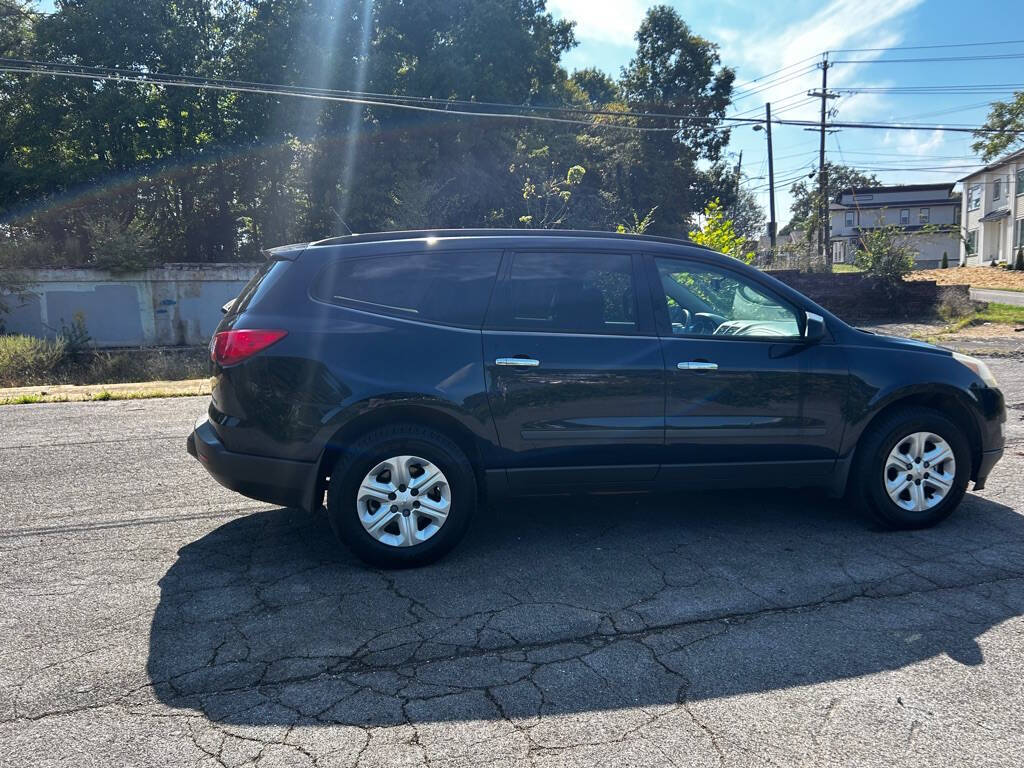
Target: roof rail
[(417, 234)]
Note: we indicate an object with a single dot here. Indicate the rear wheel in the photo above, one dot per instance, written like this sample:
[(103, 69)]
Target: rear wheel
[(401, 496), (912, 469)]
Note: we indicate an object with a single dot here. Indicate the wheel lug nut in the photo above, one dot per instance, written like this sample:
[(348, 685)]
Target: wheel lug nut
[(414, 492), (910, 477), (394, 508), (392, 496), (401, 488), (926, 465), (416, 504), (917, 482)]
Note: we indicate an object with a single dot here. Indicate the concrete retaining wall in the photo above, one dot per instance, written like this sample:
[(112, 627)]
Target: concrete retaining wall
[(179, 304), (855, 297), (174, 305)]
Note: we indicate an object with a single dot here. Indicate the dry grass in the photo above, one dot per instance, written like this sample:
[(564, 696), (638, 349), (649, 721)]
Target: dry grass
[(69, 393), (977, 277)]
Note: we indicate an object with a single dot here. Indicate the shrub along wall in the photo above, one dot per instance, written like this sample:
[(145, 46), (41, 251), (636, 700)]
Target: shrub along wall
[(855, 297)]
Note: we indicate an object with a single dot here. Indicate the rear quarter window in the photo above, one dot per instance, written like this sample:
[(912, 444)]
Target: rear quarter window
[(450, 288)]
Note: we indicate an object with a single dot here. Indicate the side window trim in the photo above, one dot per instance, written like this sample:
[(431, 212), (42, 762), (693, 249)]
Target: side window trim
[(663, 324), (500, 295)]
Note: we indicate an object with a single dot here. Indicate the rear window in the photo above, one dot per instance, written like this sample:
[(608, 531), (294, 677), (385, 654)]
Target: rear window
[(245, 297), (451, 288)]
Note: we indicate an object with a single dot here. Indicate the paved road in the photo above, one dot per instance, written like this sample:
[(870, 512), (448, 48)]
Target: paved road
[(999, 297), (149, 617)]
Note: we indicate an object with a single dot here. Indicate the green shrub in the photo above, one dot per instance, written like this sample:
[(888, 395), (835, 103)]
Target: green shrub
[(1018, 263), (883, 254), (27, 360), (945, 260)]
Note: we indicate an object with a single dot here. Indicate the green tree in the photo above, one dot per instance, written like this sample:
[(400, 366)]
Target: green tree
[(1003, 129), (747, 215), (804, 208), (719, 234), (674, 70), (599, 89)]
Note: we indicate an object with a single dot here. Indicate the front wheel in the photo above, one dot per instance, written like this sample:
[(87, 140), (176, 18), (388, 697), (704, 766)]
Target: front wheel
[(912, 469), (401, 496)]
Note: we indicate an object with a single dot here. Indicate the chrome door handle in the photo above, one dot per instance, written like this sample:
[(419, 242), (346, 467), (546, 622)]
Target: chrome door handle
[(697, 366), (522, 362)]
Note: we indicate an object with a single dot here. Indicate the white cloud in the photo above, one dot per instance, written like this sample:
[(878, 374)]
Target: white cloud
[(912, 143), (602, 21), (839, 24)]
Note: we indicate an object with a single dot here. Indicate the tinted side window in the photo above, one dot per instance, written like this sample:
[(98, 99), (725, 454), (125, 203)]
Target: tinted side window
[(451, 288), (581, 292), (703, 300)]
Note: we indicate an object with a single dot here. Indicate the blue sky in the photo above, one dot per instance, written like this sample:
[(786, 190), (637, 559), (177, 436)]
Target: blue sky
[(756, 38)]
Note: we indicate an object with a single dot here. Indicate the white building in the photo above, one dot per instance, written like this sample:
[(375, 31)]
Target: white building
[(918, 209), (993, 212)]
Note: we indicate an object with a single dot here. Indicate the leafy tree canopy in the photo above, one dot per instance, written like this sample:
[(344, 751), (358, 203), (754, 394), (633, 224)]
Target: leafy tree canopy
[(1006, 117), (87, 169)]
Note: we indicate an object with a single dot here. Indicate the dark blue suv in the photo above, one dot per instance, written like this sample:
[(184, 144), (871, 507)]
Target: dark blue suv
[(410, 375)]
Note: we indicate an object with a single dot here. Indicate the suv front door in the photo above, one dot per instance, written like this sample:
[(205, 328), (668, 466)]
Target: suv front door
[(575, 374), (748, 399)]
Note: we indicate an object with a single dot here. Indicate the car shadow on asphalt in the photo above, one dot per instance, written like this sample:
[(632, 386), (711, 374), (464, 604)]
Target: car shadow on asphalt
[(567, 605)]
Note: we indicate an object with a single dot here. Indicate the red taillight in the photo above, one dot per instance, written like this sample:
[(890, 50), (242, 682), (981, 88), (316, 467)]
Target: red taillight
[(230, 347)]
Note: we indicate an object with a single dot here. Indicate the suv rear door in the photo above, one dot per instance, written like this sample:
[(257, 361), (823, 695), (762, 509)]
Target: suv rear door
[(575, 374)]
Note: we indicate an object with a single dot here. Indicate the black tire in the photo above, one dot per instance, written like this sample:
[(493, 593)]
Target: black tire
[(866, 487), (381, 444)]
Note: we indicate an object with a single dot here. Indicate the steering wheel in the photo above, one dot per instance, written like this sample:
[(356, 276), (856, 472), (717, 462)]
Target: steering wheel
[(678, 315), (706, 323)]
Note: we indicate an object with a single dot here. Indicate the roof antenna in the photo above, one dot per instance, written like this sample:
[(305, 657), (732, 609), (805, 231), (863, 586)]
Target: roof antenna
[(338, 216)]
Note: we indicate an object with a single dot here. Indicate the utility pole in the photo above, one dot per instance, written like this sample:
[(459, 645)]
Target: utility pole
[(738, 170), (823, 215), (771, 177)]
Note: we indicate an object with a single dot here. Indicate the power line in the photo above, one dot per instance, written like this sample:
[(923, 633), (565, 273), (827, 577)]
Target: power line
[(920, 59), (923, 47), (426, 104)]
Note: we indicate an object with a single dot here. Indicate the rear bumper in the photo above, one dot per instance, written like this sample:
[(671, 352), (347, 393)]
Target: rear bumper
[(988, 460), (275, 481)]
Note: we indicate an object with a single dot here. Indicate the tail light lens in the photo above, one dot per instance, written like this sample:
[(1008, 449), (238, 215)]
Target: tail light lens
[(230, 347)]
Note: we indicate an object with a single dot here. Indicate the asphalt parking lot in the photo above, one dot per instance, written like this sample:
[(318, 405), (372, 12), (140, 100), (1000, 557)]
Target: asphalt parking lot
[(150, 617)]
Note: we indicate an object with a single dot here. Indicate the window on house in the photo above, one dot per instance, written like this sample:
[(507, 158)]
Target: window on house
[(974, 197), (997, 188), (972, 242), (924, 216), (851, 219), (1020, 182), (904, 217)]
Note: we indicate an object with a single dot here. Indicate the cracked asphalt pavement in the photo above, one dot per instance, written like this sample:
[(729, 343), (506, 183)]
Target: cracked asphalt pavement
[(150, 617)]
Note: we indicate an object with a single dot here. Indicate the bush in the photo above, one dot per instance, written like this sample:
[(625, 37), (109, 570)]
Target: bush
[(883, 254), (68, 359), (945, 260), (27, 360), (1018, 263)]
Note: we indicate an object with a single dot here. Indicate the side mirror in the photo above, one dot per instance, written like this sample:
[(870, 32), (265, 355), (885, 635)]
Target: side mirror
[(814, 327)]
